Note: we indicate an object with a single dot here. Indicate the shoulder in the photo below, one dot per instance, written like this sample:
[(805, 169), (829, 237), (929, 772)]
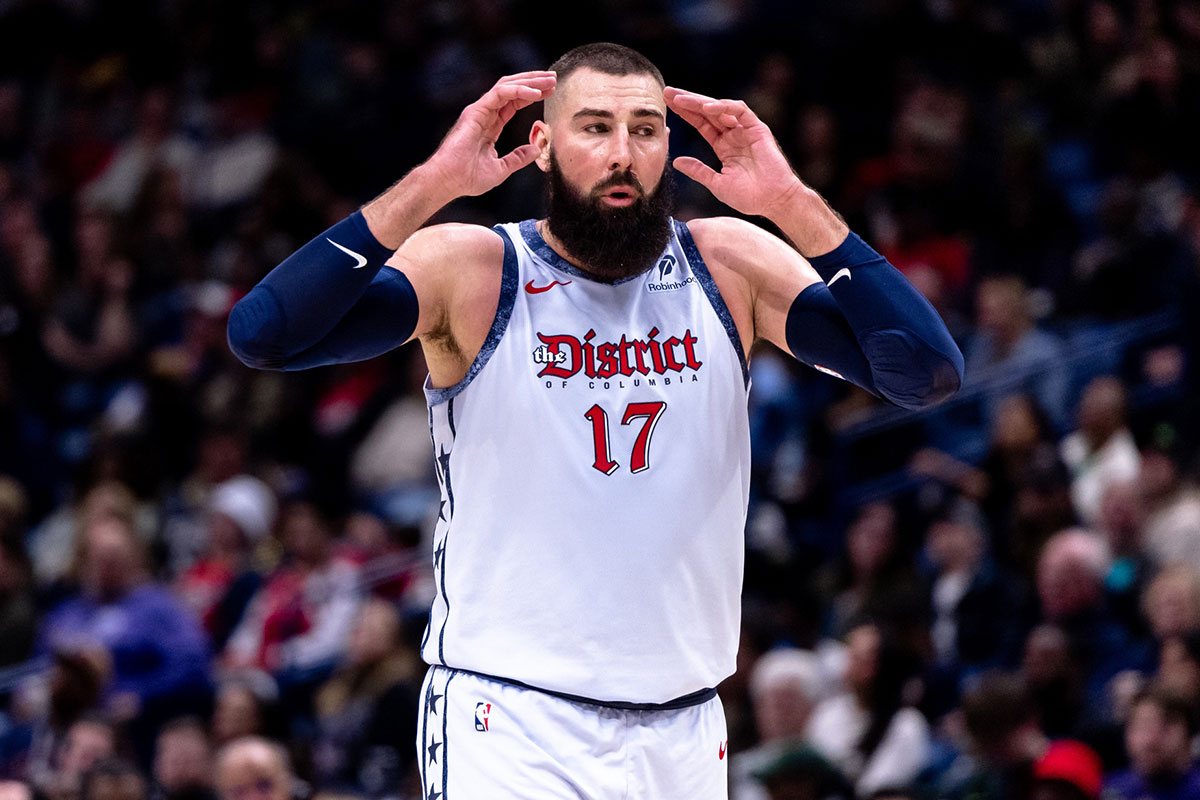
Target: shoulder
[(738, 244), (758, 273), (455, 242)]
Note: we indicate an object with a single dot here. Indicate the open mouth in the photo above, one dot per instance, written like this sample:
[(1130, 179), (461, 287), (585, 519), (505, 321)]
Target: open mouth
[(620, 195)]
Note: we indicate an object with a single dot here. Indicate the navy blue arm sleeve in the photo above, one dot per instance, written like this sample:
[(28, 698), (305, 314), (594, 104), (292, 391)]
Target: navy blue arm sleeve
[(329, 302), (818, 335), (913, 361)]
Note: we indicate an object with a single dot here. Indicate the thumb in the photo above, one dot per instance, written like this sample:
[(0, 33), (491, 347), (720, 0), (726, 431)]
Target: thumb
[(519, 158), (697, 170)]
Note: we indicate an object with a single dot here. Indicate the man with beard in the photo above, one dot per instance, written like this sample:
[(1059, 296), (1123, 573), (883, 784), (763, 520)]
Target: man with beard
[(587, 391)]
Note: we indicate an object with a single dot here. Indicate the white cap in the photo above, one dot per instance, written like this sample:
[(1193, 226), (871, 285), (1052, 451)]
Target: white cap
[(247, 501)]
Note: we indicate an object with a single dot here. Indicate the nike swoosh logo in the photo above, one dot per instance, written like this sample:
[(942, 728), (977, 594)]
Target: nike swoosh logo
[(361, 260), (841, 273), (529, 287)]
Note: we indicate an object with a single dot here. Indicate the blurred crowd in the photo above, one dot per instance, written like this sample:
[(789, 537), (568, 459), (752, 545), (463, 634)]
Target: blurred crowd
[(213, 580)]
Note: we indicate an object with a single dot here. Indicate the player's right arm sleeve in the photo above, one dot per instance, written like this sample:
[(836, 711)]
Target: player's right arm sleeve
[(913, 361), (330, 302), (819, 335)]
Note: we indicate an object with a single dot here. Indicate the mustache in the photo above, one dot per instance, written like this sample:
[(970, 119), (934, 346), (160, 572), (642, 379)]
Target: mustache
[(624, 178)]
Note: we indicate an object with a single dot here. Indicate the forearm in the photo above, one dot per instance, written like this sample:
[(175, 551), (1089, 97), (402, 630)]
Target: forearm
[(913, 360), (397, 213)]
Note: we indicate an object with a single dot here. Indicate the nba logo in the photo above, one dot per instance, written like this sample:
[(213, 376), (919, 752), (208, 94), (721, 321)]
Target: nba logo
[(482, 710)]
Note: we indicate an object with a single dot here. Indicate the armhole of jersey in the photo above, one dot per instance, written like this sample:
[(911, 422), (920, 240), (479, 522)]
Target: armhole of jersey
[(700, 270), (509, 278)]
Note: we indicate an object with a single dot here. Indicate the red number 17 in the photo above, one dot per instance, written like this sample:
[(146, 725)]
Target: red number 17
[(639, 459)]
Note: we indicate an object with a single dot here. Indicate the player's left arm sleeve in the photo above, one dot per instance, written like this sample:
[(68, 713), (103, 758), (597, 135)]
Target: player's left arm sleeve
[(903, 351), (381, 320)]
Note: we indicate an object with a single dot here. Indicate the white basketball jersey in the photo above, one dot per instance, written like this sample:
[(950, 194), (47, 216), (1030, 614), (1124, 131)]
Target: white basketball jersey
[(595, 471)]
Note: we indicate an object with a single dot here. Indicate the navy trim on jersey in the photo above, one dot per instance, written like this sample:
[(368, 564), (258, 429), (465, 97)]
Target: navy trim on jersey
[(509, 280), (686, 701), (545, 252), (445, 738), (446, 533), (433, 440), (700, 270)]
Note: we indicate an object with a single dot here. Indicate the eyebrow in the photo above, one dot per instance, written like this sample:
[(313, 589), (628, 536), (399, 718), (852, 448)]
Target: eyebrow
[(596, 112)]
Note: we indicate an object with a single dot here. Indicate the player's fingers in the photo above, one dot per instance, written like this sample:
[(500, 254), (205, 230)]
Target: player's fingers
[(531, 74), (519, 158), (686, 98), (700, 123), (731, 112), (697, 170)]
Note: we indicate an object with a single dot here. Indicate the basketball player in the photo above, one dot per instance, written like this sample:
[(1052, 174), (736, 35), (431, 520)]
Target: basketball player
[(587, 396)]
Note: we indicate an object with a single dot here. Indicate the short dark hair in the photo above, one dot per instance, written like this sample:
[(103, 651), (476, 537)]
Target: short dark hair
[(1173, 705), (606, 57)]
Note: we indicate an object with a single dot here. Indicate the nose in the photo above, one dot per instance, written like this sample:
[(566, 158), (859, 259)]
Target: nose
[(620, 155)]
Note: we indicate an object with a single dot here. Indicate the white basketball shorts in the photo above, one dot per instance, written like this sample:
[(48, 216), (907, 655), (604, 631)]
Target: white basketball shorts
[(480, 738)]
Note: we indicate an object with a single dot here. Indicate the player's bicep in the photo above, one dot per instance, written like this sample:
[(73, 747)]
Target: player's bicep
[(420, 261), (777, 278), (445, 265)]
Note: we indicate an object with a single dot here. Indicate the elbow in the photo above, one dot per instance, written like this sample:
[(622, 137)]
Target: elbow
[(911, 373), (255, 331)]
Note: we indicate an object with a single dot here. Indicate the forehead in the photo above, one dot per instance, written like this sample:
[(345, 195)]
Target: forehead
[(588, 88)]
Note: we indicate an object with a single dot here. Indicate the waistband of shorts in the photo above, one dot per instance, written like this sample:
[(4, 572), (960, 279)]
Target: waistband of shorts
[(686, 701)]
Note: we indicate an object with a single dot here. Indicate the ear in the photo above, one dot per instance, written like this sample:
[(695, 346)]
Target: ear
[(539, 137)]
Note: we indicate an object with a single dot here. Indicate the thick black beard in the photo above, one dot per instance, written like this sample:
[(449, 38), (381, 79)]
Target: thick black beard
[(611, 243)]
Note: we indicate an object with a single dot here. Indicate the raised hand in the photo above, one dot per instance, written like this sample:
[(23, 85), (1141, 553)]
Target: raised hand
[(466, 162), (755, 177)]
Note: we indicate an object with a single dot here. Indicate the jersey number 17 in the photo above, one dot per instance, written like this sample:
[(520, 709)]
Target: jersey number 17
[(639, 459)]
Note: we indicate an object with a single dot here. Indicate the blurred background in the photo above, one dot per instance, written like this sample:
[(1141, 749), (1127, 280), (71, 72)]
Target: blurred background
[(999, 598)]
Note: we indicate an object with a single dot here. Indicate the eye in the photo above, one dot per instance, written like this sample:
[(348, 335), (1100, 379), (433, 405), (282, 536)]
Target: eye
[(645, 130), (596, 127)]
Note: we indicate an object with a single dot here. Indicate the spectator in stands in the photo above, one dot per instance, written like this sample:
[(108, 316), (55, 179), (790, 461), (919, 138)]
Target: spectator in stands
[(1001, 721), (871, 733), (1020, 435), (73, 690), (298, 623), (1042, 507), (113, 779), (1172, 504), (1054, 679), (87, 742), (253, 768), (1121, 526), (183, 761), (54, 543), (220, 456), (247, 704), (979, 613), (158, 651), (367, 710), (799, 773), (1102, 451), (785, 686), (1070, 584), (874, 576), (1179, 667), (1158, 737), (1008, 347), (1171, 602), (220, 585)]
